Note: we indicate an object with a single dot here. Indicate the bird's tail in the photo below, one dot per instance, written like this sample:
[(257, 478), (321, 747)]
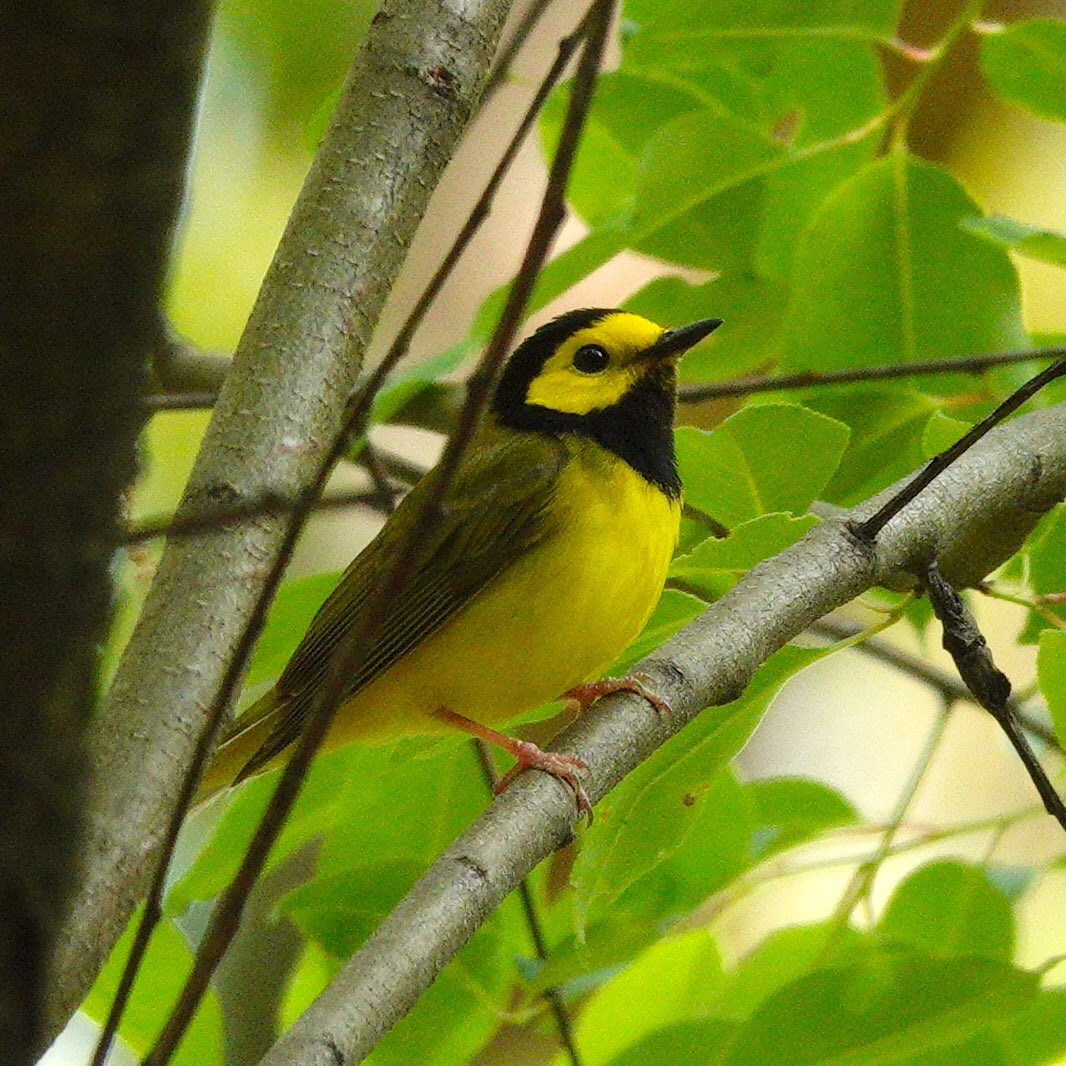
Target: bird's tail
[(240, 742)]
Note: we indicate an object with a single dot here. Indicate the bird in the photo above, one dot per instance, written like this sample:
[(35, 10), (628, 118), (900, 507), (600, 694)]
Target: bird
[(547, 554)]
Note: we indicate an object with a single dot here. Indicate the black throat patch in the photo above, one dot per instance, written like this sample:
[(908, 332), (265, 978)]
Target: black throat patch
[(639, 429)]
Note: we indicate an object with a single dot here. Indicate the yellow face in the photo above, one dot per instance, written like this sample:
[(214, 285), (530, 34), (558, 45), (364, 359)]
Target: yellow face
[(595, 367)]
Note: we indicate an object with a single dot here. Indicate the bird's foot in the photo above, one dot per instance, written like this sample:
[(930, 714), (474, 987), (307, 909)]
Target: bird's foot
[(563, 768), (581, 697)]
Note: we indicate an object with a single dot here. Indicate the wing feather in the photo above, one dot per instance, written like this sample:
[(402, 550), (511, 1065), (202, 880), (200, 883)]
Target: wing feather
[(491, 516)]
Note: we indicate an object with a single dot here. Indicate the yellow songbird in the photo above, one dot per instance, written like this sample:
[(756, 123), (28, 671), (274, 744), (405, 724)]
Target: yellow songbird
[(550, 552)]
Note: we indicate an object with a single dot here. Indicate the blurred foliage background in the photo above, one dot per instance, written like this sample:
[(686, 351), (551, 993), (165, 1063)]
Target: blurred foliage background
[(851, 730)]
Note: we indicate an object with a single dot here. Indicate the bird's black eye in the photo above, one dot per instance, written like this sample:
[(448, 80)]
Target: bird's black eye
[(590, 359)]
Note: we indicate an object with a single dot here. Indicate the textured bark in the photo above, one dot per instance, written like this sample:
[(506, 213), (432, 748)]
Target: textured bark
[(406, 101), (97, 106), (1019, 469)]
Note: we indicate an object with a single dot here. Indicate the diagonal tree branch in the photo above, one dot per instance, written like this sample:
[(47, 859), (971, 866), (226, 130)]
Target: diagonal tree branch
[(418, 73), (97, 109), (1020, 467)]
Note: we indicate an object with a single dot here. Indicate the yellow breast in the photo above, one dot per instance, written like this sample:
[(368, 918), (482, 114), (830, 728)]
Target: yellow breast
[(555, 619)]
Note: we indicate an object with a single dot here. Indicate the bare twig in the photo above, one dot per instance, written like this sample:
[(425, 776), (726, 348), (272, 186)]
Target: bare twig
[(869, 529), (514, 44), (227, 912), (973, 364), (965, 643), (181, 367)]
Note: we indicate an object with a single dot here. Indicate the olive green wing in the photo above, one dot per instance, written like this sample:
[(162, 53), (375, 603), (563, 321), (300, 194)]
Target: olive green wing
[(496, 510)]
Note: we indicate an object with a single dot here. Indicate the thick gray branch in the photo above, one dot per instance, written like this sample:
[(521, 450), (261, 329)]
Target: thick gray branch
[(97, 109), (406, 101), (1017, 471)]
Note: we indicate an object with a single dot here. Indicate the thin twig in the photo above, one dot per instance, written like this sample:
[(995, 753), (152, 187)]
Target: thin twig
[(536, 933), (383, 489), (966, 645), (266, 505), (759, 383), (862, 878), (868, 530), (354, 425), (514, 44), (226, 915), (178, 401)]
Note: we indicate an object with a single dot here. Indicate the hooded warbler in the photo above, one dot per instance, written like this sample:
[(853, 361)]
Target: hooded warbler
[(550, 552)]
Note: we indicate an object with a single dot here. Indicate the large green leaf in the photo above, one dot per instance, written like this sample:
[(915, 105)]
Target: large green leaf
[(714, 566), (675, 979), (294, 606), (1026, 65), (1047, 246), (887, 426), (162, 975), (679, 25), (739, 471), (751, 308), (887, 274), (792, 810), (950, 909), (894, 1007), (1051, 672), (455, 1017), (337, 785), (651, 813)]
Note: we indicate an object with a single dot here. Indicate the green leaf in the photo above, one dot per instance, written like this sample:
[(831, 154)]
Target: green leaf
[(716, 849), (432, 791), (409, 383), (705, 1042), (677, 978), (714, 566), (886, 426), (765, 458), (462, 1009), (886, 274), (895, 1008), (792, 810), (330, 792), (671, 22), (166, 966), (697, 193), (1044, 245), (1051, 673), (1026, 65), (650, 814), (627, 111), (339, 910), (941, 432), (751, 308), (950, 909), (294, 606), (785, 956), (1038, 1034), (1047, 574)]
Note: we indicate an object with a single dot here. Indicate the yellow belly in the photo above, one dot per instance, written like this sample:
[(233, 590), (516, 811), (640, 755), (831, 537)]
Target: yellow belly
[(555, 619)]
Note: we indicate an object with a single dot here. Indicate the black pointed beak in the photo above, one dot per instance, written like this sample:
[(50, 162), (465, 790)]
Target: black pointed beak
[(675, 341)]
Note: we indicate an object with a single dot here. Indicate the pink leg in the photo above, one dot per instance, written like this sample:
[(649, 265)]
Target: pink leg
[(581, 697), (529, 756)]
